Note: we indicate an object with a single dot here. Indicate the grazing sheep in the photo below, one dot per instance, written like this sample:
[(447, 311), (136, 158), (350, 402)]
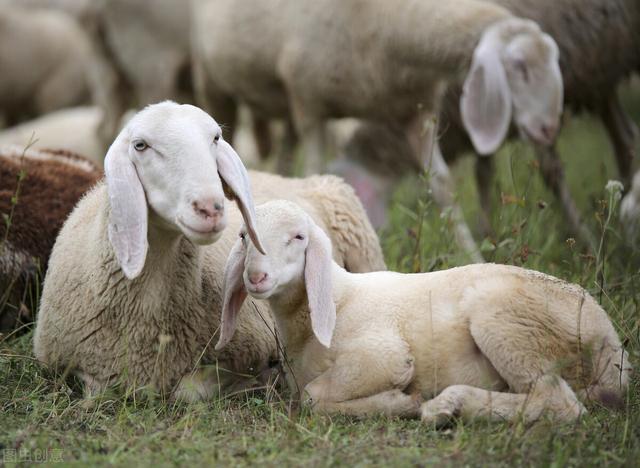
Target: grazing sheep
[(630, 212), (132, 295), (383, 61), (46, 185), (464, 338), (47, 63), (599, 42)]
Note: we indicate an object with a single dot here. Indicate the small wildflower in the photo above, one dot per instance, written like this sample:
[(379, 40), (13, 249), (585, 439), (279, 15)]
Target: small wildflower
[(615, 188)]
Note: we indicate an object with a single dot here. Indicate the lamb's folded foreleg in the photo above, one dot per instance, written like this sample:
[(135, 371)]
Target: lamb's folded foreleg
[(366, 379)]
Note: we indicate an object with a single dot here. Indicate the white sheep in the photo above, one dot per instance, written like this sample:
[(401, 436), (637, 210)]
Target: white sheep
[(74, 129), (384, 61), (48, 62), (630, 212), (133, 294), (599, 43), (481, 340)]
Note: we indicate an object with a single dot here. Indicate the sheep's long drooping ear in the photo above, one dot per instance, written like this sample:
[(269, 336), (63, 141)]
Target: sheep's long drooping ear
[(235, 175), (486, 99), (317, 277), (234, 294), (128, 218)]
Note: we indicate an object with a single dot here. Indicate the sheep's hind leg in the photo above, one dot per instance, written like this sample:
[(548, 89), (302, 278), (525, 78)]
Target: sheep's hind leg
[(549, 395), (442, 189), (622, 132)]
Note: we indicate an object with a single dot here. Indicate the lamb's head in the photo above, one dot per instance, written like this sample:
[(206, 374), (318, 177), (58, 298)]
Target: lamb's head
[(170, 166), (515, 69), (299, 260)]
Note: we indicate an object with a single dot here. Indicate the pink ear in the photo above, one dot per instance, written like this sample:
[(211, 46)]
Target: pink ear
[(317, 277), (486, 99), (128, 218), (235, 175), (234, 294)]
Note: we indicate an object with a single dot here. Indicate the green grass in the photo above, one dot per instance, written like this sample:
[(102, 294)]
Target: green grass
[(43, 418)]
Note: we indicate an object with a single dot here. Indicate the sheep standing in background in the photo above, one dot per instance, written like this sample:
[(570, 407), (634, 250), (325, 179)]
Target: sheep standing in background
[(147, 44), (599, 42), (75, 129), (133, 292), (47, 62), (461, 338), (382, 61), (47, 185)]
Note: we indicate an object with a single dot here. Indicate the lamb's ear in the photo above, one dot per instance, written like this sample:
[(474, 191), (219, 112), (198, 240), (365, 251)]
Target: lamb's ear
[(486, 100), (128, 218), (234, 174), (317, 277), (234, 294)]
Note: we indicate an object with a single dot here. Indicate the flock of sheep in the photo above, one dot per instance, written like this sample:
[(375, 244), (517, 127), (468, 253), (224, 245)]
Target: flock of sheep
[(148, 283)]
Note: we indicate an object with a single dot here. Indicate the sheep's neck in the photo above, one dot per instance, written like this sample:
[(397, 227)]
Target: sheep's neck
[(439, 39), (173, 263), (293, 322)]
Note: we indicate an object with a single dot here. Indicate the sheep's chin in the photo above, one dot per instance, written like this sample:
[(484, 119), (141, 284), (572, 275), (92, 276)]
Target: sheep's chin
[(262, 294), (201, 238)]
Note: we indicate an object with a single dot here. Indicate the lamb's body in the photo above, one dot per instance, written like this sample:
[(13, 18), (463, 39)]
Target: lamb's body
[(480, 340), (493, 327), (157, 329)]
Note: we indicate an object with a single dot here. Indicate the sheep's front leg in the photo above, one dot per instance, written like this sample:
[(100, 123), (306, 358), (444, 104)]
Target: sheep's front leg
[(553, 175), (550, 394), (442, 188), (390, 403), (366, 381)]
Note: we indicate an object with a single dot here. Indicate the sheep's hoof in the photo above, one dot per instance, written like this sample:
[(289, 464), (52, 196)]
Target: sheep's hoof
[(433, 413)]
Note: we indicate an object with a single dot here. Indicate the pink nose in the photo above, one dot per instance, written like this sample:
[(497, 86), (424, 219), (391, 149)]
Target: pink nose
[(257, 277), (207, 208)]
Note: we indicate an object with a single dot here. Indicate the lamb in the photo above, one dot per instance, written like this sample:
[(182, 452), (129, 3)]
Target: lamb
[(599, 42), (380, 61), (132, 296), (460, 338), (46, 185)]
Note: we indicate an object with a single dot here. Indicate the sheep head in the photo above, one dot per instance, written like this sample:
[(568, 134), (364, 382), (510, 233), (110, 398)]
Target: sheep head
[(299, 259), (171, 160), (515, 69)]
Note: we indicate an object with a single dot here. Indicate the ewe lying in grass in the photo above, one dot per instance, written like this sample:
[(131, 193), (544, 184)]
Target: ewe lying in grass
[(134, 290), (490, 340)]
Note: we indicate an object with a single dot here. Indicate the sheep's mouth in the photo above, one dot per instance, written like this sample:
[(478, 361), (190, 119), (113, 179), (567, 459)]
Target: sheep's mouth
[(261, 291), (199, 235), (536, 138)]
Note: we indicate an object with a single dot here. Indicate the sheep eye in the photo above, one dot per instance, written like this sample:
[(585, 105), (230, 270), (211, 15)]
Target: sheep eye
[(140, 145), (216, 138), (299, 237), (243, 235)]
